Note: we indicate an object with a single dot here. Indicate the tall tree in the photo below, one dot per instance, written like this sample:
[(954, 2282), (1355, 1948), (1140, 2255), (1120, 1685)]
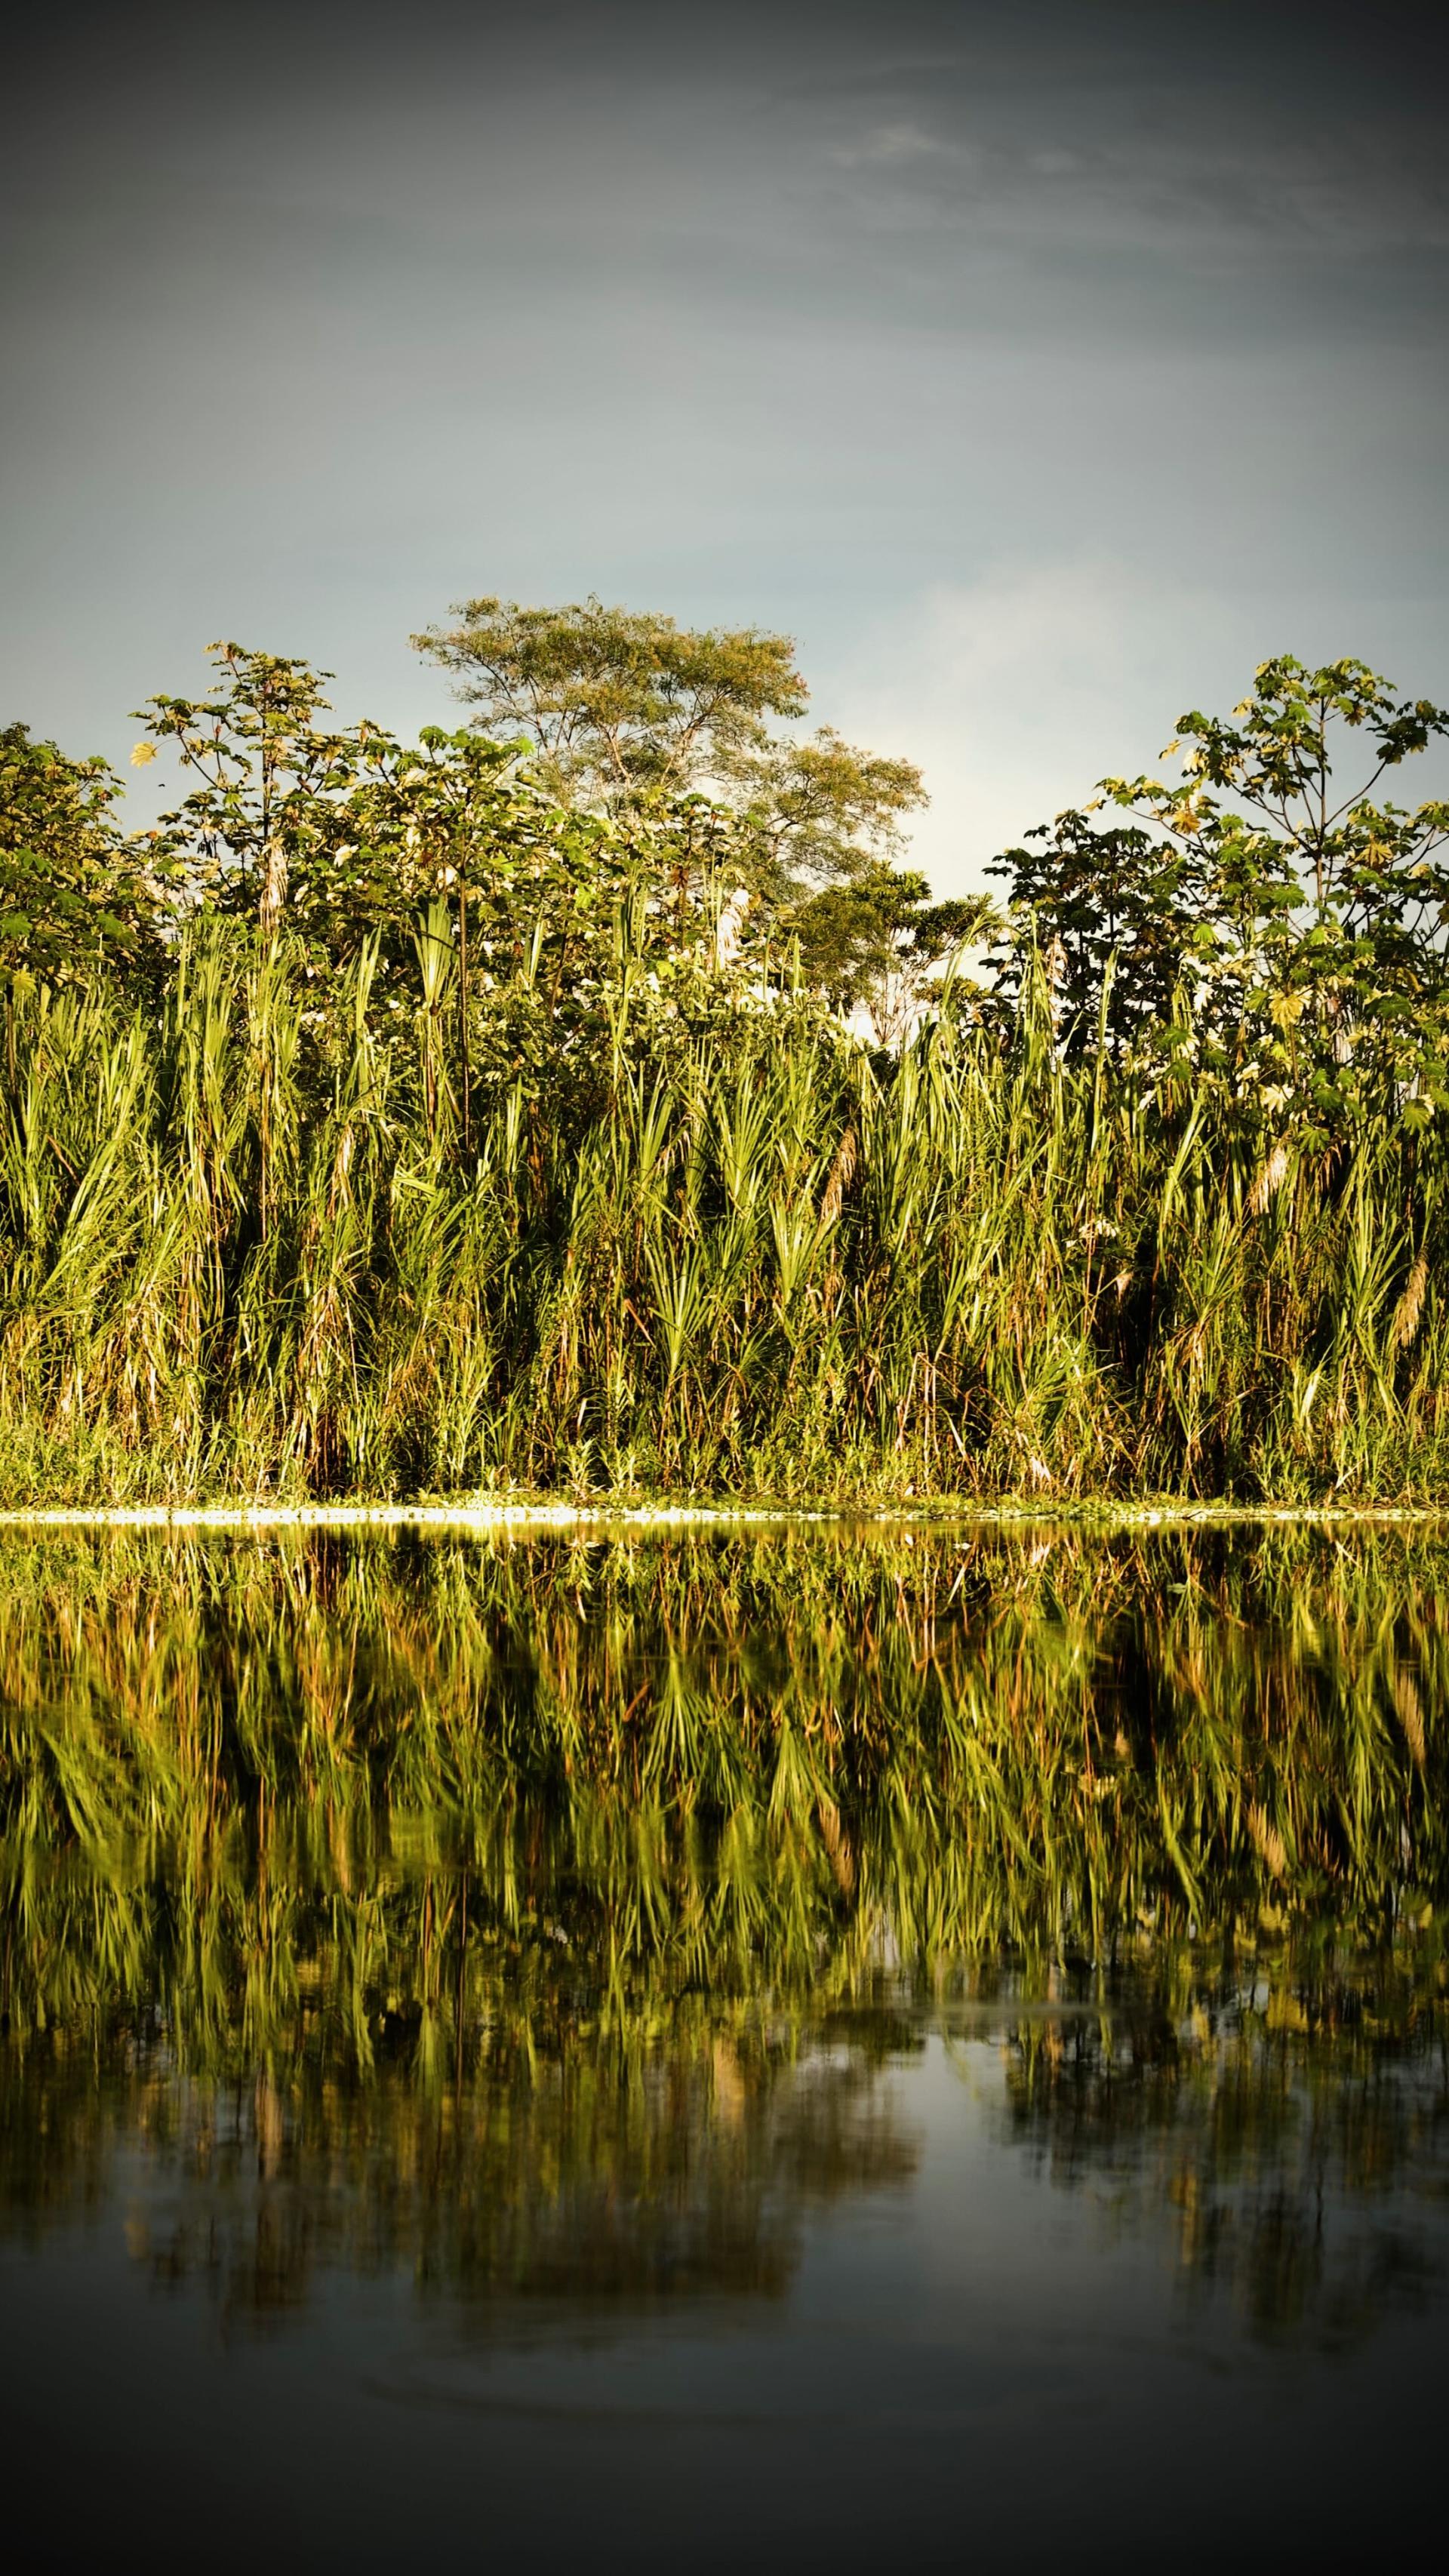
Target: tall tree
[(618, 703), (628, 709)]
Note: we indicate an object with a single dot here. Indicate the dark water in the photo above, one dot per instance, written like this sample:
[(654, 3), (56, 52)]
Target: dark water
[(724, 2051)]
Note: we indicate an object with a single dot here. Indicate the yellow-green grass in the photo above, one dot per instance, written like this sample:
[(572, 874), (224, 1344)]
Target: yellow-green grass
[(244, 1257)]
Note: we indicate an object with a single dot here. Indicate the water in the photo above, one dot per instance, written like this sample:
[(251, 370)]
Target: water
[(772, 2046)]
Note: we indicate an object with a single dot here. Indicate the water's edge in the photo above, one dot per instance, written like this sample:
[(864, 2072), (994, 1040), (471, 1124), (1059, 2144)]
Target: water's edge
[(524, 1515)]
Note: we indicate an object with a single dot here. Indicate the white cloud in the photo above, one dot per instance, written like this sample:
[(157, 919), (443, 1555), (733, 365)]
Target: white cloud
[(1017, 693), (886, 144)]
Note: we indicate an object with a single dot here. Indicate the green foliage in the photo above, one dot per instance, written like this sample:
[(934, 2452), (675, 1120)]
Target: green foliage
[(686, 1234), (269, 777), (73, 895), (1115, 914), (819, 813), (459, 1136), (1257, 918), (871, 942), (626, 710), (618, 704)]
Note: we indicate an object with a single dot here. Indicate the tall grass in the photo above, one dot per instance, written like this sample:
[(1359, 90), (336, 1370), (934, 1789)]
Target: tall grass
[(242, 1248)]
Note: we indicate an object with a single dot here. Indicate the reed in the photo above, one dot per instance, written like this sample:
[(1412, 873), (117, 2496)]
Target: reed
[(705, 1242)]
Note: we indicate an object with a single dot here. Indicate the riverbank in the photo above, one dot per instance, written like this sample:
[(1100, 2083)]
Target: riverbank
[(512, 1516)]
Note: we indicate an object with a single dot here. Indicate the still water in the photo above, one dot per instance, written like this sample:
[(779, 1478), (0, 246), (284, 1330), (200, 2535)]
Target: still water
[(774, 2047)]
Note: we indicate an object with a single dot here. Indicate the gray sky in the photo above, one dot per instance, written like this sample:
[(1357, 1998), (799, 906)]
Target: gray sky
[(1041, 365)]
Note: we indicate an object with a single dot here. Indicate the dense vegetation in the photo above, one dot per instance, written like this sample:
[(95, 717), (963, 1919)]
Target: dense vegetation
[(587, 1098), (543, 1916)]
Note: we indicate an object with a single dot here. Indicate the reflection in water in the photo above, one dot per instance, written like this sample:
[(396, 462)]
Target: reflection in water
[(557, 1922), (679, 2167), (1282, 2127)]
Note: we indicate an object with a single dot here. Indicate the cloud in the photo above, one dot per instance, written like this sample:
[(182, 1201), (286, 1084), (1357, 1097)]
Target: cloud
[(886, 145), (1018, 692), (1292, 133), (958, 327)]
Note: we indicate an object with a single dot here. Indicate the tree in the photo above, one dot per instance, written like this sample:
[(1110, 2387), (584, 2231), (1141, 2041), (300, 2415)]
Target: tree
[(618, 703), (1113, 917), (1322, 964), (457, 824), (628, 710), (1352, 859), (74, 893), (471, 885), (1285, 930), (871, 944), (272, 780), (819, 813)]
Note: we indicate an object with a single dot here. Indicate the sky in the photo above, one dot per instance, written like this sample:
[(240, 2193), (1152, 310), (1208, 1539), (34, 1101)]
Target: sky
[(1041, 366)]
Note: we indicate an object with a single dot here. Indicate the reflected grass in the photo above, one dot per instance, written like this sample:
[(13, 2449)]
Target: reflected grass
[(546, 1912)]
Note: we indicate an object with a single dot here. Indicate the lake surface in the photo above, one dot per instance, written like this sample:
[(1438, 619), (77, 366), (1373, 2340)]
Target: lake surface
[(789, 2045)]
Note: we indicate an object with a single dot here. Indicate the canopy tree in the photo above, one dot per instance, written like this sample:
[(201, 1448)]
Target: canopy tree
[(627, 709)]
